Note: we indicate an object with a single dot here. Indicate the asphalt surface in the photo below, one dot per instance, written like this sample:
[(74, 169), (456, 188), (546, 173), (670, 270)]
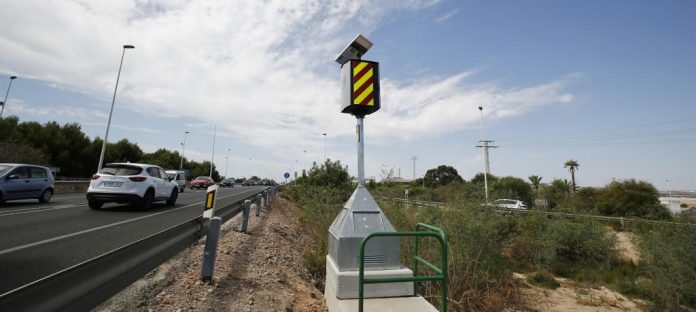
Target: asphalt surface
[(37, 240)]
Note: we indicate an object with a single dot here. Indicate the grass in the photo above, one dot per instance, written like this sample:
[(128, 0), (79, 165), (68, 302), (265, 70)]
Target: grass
[(543, 279)]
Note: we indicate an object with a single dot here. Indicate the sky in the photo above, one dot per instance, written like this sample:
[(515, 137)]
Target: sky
[(607, 83)]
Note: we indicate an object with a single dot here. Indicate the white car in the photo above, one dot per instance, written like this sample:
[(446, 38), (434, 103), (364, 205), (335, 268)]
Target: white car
[(135, 184), (179, 177), (508, 204)]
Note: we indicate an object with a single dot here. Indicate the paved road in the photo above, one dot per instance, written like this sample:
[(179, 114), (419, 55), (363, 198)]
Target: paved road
[(37, 240)]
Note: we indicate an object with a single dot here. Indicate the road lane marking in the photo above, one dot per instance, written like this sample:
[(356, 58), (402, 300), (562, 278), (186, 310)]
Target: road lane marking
[(13, 249), (39, 209)]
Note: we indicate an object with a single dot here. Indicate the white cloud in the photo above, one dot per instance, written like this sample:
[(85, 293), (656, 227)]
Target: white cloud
[(447, 16), (264, 69)]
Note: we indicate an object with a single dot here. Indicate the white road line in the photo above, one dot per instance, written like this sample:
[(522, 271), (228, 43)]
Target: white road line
[(13, 249), (39, 209)]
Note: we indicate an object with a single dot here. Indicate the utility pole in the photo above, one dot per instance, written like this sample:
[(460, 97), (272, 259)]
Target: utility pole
[(486, 163)]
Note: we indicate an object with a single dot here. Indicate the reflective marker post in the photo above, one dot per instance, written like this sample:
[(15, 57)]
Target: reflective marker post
[(210, 250), (211, 240), (209, 208)]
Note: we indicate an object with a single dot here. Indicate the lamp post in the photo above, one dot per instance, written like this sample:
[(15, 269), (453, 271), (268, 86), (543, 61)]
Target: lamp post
[(324, 134), (4, 102), (183, 150), (249, 168), (304, 167), (113, 100), (227, 161), (485, 168), (212, 156)]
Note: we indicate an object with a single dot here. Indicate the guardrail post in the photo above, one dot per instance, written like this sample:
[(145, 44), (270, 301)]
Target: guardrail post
[(258, 204), (265, 197), (245, 216), (210, 250)]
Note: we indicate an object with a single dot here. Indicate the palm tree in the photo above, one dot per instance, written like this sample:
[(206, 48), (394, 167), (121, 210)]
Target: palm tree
[(536, 182), (572, 165)]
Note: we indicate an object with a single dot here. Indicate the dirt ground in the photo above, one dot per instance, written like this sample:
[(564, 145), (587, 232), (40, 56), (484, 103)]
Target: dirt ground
[(259, 271), (575, 297)]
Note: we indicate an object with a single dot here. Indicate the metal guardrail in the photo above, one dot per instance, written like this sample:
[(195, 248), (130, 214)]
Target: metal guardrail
[(86, 285), (417, 234), (621, 220)]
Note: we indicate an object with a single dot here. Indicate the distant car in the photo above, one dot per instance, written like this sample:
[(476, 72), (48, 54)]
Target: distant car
[(508, 204), (227, 183), (247, 183), (201, 182), (21, 181), (136, 184), (179, 177)]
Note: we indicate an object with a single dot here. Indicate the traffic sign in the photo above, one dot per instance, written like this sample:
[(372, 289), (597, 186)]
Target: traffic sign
[(287, 175)]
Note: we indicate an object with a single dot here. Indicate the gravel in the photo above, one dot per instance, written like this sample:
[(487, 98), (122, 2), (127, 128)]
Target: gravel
[(258, 271)]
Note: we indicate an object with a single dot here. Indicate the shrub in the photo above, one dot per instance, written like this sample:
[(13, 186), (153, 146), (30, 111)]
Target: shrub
[(668, 258), (631, 198)]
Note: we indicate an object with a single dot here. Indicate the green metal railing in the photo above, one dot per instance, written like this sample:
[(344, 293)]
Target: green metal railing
[(431, 231)]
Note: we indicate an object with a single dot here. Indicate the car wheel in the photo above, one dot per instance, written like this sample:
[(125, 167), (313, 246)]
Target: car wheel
[(146, 202), (172, 199), (95, 204), (46, 196)]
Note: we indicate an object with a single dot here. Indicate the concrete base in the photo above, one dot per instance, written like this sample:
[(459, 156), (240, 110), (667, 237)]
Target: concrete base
[(345, 284), (397, 304)]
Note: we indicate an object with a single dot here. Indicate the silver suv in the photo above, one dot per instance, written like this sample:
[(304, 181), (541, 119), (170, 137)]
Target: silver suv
[(20, 181), (135, 184)]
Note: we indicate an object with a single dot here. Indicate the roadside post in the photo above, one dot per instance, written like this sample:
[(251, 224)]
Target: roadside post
[(211, 240), (210, 250), (286, 175), (258, 204), (245, 216)]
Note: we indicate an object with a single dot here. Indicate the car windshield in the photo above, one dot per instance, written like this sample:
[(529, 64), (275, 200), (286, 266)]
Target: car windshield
[(203, 178), (171, 175), (122, 170), (5, 168)]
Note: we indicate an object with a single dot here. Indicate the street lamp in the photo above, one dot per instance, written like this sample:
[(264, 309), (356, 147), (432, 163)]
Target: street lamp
[(324, 134), (4, 102), (483, 141), (227, 161), (113, 100), (304, 167), (183, 150)]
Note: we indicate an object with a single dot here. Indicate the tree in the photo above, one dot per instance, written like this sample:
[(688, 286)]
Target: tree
[(536, 182), (631, 198), (479, 178), (442, 175), (13, 152), (572, 165), (512, 187)]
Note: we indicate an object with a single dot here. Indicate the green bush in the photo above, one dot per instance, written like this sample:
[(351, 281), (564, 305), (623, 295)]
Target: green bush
[(669, 262), (631, 198)]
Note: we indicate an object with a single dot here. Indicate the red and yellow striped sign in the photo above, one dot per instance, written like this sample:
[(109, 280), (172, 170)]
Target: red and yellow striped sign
[(363, 83)]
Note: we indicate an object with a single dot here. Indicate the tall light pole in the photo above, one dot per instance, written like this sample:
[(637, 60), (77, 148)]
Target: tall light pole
[(183, 150), (113, 100), (304, 167), (324, 134), (414, 168), (486, 164), (250, 164), (4, 102), (227, 158), (212, 157)]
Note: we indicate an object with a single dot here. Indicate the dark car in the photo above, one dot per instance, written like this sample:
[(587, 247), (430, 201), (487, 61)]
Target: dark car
[(227, 183), (201, 182), (20, 181)]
